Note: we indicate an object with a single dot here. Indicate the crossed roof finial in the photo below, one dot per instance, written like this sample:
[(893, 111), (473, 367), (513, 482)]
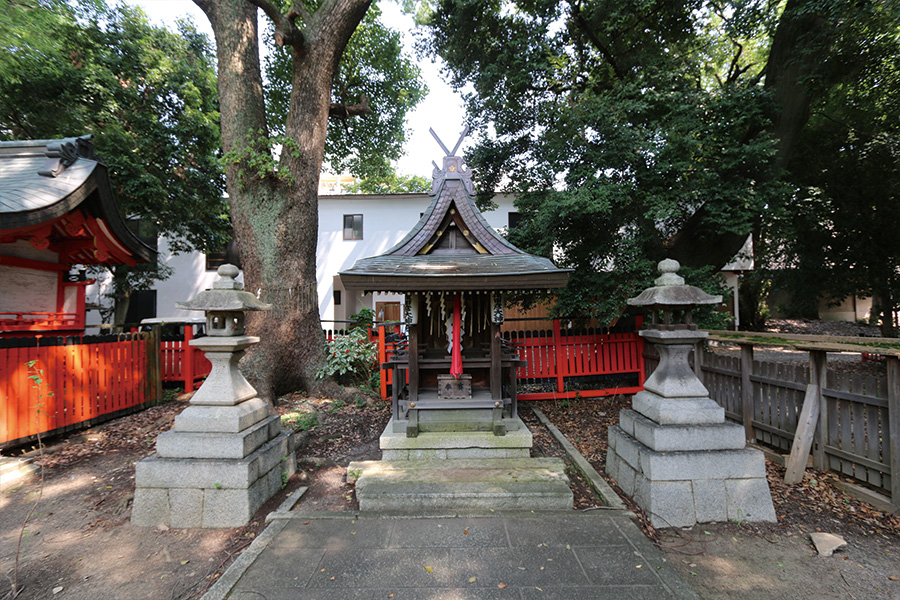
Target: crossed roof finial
[(459, 142)]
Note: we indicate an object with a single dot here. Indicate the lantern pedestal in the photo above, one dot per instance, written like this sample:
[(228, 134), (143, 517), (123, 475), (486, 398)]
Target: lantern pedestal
[(673, 452), (225, 456)]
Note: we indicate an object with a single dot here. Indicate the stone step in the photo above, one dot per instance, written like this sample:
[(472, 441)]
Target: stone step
[(501, 483)]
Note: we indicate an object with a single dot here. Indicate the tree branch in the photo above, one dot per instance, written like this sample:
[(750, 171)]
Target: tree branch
[(300, 10), (344, 111), (286, 33), (595, 42)]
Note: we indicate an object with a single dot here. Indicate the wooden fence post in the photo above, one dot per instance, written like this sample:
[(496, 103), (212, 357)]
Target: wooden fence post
[(893, 394), (818, 365), (561, 362), (809, 418), (747, 391), (382, 358), (187, 358), (154, 351)]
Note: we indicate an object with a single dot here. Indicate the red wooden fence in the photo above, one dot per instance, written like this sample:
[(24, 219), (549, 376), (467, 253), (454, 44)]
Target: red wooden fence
[(84, 380), (182, 362), (557, 357)]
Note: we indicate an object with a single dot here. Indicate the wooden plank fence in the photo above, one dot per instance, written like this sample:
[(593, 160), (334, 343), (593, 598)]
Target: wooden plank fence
[(91, 378), (857, 422)]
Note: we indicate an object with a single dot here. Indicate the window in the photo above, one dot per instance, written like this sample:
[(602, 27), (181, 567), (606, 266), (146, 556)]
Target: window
[(514, 219), (353, 227), (337, 297), (227, 255)]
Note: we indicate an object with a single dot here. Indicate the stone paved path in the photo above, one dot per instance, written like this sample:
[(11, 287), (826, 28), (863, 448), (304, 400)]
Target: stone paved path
[(565, 555)]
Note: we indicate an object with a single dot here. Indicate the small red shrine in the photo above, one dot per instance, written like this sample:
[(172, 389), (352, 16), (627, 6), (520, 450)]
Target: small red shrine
[(454, 269), (56, 211)]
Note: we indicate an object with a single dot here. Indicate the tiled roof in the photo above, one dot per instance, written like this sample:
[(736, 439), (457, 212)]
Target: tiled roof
[(490, 263), (47, 186)]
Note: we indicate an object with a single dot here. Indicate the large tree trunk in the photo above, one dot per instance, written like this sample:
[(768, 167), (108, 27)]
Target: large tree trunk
[(275, 217)]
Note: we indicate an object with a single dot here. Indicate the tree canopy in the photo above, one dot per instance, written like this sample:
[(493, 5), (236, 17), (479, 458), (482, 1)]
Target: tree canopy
[(636, 129), (146, 94)]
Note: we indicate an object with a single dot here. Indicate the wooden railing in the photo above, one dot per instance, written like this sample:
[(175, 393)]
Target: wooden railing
[(39, 321), (578, 363), (848, 422), (182, 362), (83, 380)]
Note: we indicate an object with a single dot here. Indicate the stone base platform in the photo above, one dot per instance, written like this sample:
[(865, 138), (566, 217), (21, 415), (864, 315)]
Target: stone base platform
[(681, 487), (504, 483), (210, 492), (395, 445)]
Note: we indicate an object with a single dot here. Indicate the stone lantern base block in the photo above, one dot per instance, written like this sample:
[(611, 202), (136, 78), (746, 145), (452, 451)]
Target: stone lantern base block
[(678, 411), (679, 438), (681, 488), (208, 493), (224, 419)]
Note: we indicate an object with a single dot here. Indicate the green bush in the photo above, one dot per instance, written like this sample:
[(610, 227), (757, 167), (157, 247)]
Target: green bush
[(350, 359)]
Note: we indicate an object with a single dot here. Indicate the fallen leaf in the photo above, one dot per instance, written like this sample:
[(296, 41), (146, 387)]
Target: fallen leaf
[(893, 578), (429, 569), (638, 566), (473, 579), (466, 531), (332, 578), (184, 562), (501, 585)]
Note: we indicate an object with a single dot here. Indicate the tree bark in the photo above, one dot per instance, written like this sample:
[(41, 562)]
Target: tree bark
[(275, 217)]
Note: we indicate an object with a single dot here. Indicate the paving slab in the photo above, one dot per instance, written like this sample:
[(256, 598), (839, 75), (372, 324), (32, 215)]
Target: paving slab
[(482, 555)]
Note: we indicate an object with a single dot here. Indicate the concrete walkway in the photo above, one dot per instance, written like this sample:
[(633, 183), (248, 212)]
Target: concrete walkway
[(565, 555)]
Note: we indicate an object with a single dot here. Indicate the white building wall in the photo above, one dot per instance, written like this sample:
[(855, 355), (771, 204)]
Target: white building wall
[(386, 219)]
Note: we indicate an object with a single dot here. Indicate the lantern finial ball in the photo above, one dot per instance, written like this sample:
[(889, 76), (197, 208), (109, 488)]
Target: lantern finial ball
[(229, 271)]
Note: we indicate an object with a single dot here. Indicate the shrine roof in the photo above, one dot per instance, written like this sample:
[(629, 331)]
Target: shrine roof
[(56, 193), (453, 247)]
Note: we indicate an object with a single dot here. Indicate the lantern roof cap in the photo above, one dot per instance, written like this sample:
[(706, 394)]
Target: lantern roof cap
[(226, 295), (671, 291)]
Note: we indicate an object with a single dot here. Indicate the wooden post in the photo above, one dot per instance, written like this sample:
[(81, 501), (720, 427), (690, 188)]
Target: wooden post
[(561, 362), (413, 363), (382, 358), (154, 351), (187, 358), (747, 391), (496, 387), (809, 418), (818, 364), (893, 394)]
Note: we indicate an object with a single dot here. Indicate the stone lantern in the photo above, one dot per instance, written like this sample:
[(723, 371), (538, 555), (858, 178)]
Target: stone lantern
[(673, 451), (225, 455)]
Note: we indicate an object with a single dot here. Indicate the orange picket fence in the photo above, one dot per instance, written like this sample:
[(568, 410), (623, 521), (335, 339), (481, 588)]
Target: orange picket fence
[(50, 385)]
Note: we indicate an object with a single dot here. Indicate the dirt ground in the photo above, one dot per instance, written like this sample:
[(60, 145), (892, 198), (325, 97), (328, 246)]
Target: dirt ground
[(80, 544)]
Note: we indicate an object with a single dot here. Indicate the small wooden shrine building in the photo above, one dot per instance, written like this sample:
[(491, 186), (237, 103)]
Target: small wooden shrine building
[(57, 210), (454, 270)]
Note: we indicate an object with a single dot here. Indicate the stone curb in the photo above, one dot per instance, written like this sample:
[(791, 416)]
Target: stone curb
[(597, 483), (223, 586)]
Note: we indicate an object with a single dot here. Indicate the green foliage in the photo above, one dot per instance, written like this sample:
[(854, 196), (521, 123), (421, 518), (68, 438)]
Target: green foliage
[(146, 94), (391, 184), (258, 152), (363, 319), (300, 421), (839, 236), (613, 123), (372, 69), (351, 358)]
